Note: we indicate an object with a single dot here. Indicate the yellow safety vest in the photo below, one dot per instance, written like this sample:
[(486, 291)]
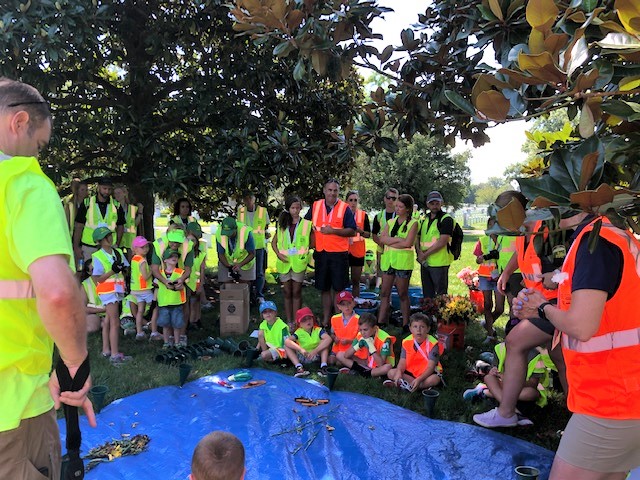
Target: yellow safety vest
[(95, 218), (130, 229), (398, 258), (138, 281), (259, 224), (429, 234), (160, 245), (382, 220), (168, 298), (194, 279), (239, 253), (296, 249), (92, 295)]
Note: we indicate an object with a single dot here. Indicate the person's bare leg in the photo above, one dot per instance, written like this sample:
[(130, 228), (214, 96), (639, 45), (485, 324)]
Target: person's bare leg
[(114, 327), (287, 290), (561, 470), (487, 296), (402, 284), (356, 275)]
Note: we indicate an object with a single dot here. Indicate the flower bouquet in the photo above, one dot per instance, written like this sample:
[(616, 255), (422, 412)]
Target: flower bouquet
[(456, 309), (469, 277)]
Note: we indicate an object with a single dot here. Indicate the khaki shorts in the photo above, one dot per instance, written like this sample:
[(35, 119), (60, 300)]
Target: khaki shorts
[(31, 451), (601, 444), (291, 275), (245, 275)]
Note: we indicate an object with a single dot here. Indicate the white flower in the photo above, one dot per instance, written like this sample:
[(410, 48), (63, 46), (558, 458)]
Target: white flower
[(560, 277)]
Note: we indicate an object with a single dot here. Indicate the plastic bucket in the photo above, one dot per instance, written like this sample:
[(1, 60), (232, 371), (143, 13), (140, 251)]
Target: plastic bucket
[(395, 300), (415, 299)]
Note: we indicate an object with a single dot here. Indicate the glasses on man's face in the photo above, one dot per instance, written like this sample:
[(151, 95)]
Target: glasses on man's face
[(391, 198)]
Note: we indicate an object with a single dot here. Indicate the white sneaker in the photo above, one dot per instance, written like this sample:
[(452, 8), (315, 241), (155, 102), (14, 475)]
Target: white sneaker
[(492, 419)]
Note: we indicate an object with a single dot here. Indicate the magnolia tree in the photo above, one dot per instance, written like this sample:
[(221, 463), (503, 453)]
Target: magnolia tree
[(579, 55)]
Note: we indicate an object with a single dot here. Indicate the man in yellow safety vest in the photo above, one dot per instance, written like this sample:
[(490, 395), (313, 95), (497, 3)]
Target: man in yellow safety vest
[(256, 217)]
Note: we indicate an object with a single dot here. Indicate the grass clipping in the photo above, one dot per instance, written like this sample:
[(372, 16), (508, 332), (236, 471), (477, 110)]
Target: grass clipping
[(116, 449)]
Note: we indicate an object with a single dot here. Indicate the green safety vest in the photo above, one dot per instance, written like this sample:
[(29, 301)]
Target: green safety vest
[(138, 282), (92, 295), (507, 249), (273, 333), (239, 253), (126, 306), (194, 278), (306, 340), (166, 297), (382, 220), (95, 218), (369, 267), (259, 224), (428, 236), (130, 229), (488, 267), (26, 349), (177, 219), (301, 237), (540, 364), (160, 245), (398, 258)]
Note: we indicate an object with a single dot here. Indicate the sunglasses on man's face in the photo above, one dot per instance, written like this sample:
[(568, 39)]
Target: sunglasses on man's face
[(391, 198)]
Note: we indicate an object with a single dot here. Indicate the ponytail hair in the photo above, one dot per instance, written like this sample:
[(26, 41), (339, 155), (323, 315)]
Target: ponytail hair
[(285, 219)]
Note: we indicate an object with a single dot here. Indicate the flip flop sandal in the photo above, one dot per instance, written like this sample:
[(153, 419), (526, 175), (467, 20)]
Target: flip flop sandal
[(389, 384), (404, 385)]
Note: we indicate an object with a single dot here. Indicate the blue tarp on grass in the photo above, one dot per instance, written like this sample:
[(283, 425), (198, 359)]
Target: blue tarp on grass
[(372, 438)]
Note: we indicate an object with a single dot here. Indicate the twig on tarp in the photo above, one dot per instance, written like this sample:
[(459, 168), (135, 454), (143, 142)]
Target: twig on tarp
[(116, 449), (301, 427)]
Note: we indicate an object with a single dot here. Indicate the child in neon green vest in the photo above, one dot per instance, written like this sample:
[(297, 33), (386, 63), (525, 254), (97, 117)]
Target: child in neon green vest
[(308, 343), (272, 333), (171, 297)]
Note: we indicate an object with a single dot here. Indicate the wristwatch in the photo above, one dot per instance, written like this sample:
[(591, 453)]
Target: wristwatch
[(541, 313)]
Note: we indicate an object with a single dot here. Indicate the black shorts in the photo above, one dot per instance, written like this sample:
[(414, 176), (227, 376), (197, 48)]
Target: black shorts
[(356, 261), (332, 271), (545, 325)]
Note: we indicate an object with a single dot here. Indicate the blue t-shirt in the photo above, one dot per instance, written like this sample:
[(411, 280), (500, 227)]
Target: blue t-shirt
[(600, 270)]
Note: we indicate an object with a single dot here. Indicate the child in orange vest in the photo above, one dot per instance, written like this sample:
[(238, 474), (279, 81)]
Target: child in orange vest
[(371, 352), (141, 281), (344, 325), (419, 366), (108, 264)]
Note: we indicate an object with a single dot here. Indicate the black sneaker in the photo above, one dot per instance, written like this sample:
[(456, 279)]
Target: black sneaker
[(323, 371)]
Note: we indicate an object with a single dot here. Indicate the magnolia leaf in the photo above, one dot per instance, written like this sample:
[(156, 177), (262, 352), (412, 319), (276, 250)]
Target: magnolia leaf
[(299, 70), (541, 66), (493, 105), (294, 19), (460, 102), (386, 54), (589, 163), (586, 80), (629, 14), (588, 199), (494, 5), (319, 61), (542, 202), (555, 42), (620, 108), (516, 49), (594, 235), (629, 83), (511, 216), (514, 7), (518, 78), (586, 127), (612, 26), (486, 82), (579, 55), (541, 14), (536, 42), (578, 17), (620, 41), (378, 96)]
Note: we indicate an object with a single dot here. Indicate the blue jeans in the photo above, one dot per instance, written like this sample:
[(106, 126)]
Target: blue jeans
[(261, 263)]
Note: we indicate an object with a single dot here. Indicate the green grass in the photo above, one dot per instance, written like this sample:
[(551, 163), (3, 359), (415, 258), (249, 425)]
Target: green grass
[(143, 373)]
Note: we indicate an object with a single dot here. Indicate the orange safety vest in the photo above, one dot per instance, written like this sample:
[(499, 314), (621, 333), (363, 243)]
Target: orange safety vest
[(417, 360), (344, 332), (530, 264), (330, 242), (486, 268), (357, 244), (378, 342), (604, 371)]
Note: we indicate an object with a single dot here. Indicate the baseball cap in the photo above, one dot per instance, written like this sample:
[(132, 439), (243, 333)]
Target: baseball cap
[(168, 253), (228, 226), (140, 241), (344, 296), (106, 181), (434, 195), (369, 255), (302, 313), (194, 227), (176, 236), (100, 233), (268, 305)]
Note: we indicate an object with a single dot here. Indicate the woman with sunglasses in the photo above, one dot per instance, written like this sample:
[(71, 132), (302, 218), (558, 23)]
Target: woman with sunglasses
[(398, 258), (357, 246)]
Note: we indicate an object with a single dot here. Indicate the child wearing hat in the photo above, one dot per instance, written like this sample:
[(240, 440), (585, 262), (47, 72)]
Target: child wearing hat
[(344, 325), (272, 333), (371, 353), (195, 289), (369, 271), (141, 285), (171, 297), (108, 264), (309, 343)]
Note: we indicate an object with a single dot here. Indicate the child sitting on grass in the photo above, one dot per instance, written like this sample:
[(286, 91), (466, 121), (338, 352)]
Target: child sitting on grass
[(419, 366), (344, 325), (218, 456), (141, 282), (308, 343), (371, 353), (171, 297), (369, 271), (272, 333)]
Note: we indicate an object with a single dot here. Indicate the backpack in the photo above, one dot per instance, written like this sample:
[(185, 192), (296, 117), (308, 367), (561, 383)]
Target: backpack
[(457, 237)]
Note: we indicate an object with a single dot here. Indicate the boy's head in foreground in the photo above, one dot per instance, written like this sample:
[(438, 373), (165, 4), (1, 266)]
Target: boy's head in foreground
[(218, 456)]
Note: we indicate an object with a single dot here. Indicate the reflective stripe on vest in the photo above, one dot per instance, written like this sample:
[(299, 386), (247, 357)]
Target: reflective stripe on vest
[(398, 258), (94, 218), (335, 219), (609, 341), (110, 284), (239, 253), (357, 246), (13, 289), (258, 225), (429, 235), (487, 266), (130, 219), (416, 363)]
